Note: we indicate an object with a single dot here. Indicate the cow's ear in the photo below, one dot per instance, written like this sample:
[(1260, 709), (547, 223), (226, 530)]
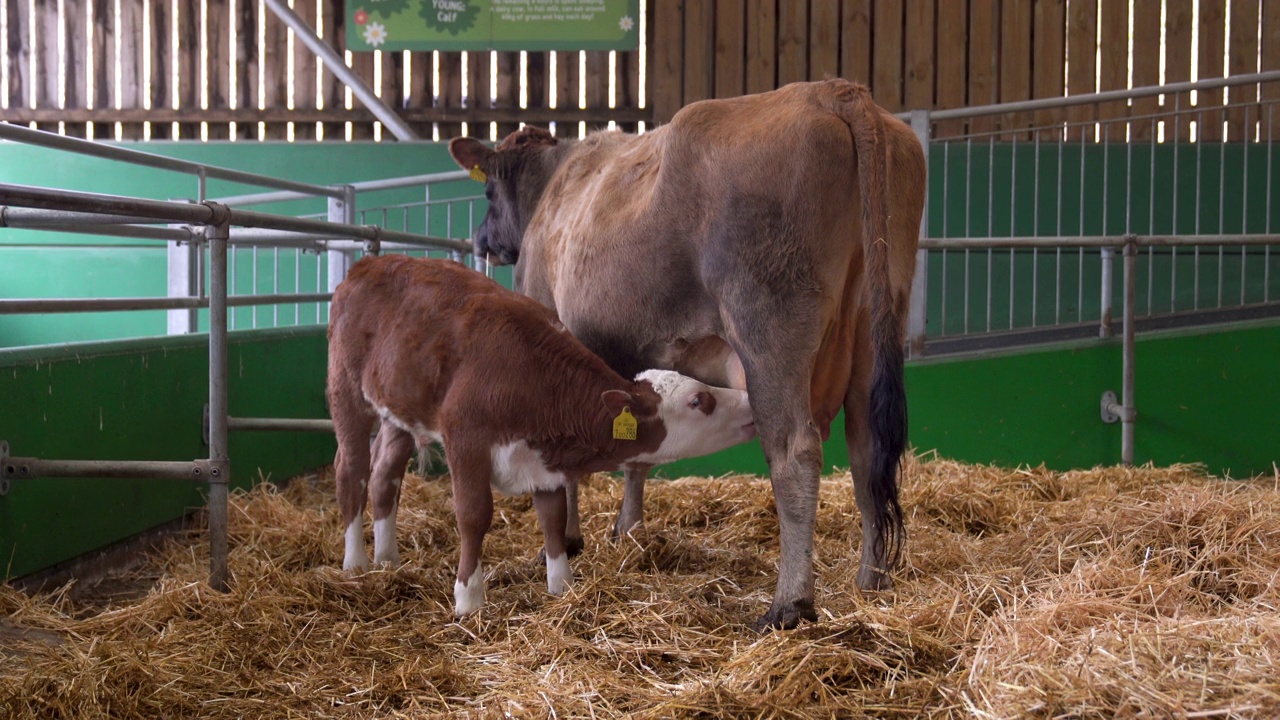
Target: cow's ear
[(469, 153), (616, 400)]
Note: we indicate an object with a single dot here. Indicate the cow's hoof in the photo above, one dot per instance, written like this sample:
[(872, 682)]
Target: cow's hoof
[(617, 532), (873, 580), (573, 546), (786, 616)]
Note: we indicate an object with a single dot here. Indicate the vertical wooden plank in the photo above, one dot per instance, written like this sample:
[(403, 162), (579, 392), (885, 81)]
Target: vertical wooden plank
[(1146, 65), (536, 85), (1048, 61), (75, 56), (217, 65), (952, 19), (793, 42), (1113, 71), (162, 58), (1243, 54), (855, 39), (391, 88), (275, 73), (47, 57), (1271, 61), (1177, 67), (478, 97), (762, 47), (699, 18), (567, 95), (20, 78), (596, 82), (824, 39), (187, 21), (1082, 46), (1212, 36), (104, 62), (418, 94), (448, 95), (362, 65), (246, 54), (667, 69), (1015, 65), (333, 91), (886, 61), (304, 71), (918, 81), (731, 44), (508, 93)]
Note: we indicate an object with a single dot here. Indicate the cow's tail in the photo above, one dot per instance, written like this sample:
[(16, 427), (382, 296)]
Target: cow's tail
[(887, 409)]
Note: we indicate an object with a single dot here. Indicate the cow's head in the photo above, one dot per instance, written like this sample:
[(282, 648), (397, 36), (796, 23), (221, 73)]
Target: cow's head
[(697, 419), (514, 176)]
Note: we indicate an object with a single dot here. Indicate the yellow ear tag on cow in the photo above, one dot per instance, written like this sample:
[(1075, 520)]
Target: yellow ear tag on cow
[(478, 175), (624, 426)]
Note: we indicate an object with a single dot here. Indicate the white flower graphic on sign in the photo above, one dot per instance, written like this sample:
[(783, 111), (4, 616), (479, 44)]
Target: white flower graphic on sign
[(626, 23), (375, 34)]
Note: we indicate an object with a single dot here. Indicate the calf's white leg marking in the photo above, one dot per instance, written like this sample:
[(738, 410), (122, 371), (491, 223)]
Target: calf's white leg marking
[(558, 574), (469, 597), (384, 540), (355, 558)]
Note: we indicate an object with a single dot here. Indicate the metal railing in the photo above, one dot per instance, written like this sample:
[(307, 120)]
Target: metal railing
[(207, 234), (1027, 217)]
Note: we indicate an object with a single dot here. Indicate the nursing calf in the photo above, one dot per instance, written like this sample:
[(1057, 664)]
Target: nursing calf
[(443, 354)]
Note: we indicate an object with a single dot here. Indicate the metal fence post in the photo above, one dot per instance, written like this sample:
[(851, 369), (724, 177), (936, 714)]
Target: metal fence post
[(341, 211), (1129, 413), (1108, 267), (184, 270), (917, 316), (220, 470)]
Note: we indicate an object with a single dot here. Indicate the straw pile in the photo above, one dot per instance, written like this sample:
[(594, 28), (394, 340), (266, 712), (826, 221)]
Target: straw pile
[(1028, 593)]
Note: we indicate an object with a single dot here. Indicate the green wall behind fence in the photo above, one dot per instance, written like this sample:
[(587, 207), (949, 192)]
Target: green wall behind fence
[(1206, 396)]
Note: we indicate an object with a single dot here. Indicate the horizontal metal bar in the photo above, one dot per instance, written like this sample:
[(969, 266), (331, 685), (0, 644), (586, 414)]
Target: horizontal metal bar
[(340, 240), (411, 181), (145, 232), (1100, 97), (1051, 242), (51, 199), (20, 217), (280, 424), (23, 306), (15, 468), (463, 246), (262, 198), (137, 157)]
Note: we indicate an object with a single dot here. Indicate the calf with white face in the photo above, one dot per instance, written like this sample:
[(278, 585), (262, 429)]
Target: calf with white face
[(442, 353)]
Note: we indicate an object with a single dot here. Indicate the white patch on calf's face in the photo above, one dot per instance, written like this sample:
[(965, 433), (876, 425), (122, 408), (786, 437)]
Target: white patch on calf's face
[(691, 431)]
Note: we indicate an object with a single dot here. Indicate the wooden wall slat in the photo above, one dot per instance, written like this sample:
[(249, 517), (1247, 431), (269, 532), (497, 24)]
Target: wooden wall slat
[(949, 89), (1243, 58), (217, 63), (824, 39), (1146, 66), (187, 21), (596, 82), (793, 42), (731, 44), (131, 67), (104, 60), (699, 18), (418, 94), (508, 95), (449, 91), (19, 15), (1082, 45), (75, 55), (762, 59), (1271, 61), (47, 56), (1015, 71), (984, 43), (362, 65), (274, 71), (886, 59), (567, 96), (1048, 61), (917, 94), (304, 70), (333, 93), (1212, 37), (1177, 66), (855, 40), (1113, 29), (668, 65), (246, 55)]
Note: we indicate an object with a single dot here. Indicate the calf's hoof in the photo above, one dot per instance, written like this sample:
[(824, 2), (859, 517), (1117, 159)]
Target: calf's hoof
[(872, 580), (573, 547), (786, 616), (618, 530)]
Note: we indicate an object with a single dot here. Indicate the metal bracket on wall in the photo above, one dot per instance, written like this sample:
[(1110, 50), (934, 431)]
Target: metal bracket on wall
[(1110, 408)]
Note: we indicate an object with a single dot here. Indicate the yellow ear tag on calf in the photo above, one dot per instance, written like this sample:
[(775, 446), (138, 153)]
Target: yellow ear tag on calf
[(478, 175), (624, 426)]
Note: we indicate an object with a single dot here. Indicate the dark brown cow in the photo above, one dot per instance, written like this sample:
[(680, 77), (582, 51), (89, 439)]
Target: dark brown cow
[(443, 354), (765, 241)]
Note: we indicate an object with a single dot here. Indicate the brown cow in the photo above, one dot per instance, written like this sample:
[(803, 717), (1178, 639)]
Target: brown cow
[(443, 354), (765, 241)]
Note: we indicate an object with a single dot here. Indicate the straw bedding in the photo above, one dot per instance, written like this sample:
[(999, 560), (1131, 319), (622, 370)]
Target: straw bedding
[(1027, 593)]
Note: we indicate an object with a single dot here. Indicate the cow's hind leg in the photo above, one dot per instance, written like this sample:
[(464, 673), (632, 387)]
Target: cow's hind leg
[(472, 472), (352, 423), (552, 516), (391, 454), (632, 512)]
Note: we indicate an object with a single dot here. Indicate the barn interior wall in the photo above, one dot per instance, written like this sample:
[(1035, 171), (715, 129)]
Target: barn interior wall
[(1205, 396)]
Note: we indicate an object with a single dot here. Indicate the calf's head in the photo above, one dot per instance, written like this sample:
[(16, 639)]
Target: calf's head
[(514, 176), (694, 418)]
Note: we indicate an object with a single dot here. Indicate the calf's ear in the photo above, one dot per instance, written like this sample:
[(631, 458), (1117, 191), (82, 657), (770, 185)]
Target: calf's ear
[(616, 400), (469, 153)]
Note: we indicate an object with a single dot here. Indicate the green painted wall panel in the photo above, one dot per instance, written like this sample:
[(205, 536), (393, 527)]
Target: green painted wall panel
[(143, 400)]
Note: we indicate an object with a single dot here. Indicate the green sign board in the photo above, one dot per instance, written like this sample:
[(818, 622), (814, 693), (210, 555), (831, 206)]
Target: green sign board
[(493, 24)]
